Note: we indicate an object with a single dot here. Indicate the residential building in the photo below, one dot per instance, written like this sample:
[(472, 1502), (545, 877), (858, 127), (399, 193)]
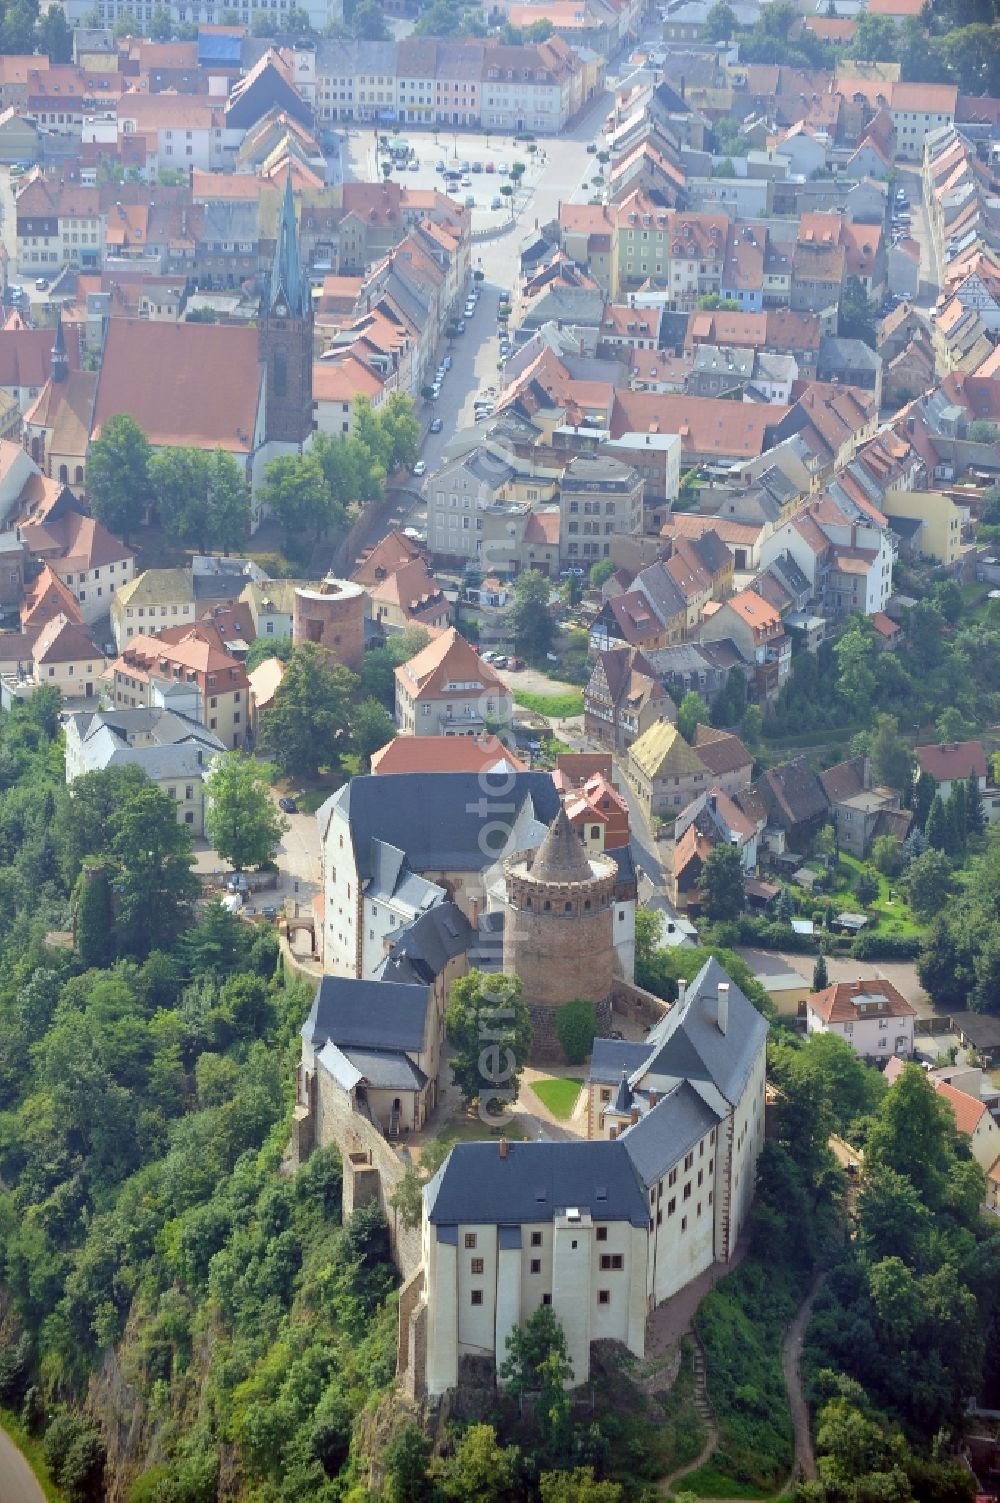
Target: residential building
[(623, 698), (175, 752), (64, 656), (726, 758), (870, 1014), (862, 812), (182, 670), (758, 632), (598, 497), (665, 771), (448, 690), (939, 522), (154, 599), (81, 553), (953, 762)]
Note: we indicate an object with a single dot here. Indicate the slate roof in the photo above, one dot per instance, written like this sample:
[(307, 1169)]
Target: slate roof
[(386, 1015), (688, 1044), (611, 1056), (667, 1131), (387, 1070), (421, 953), (438, 818), (793, 790), (533, 1182)]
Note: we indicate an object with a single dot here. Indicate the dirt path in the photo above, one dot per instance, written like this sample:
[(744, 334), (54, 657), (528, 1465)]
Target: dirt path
[(804, 1464), (791, 1366)]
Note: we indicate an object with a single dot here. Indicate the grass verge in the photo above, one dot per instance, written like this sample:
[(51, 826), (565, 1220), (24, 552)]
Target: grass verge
[(31, 1450), (556, 706), (559, 1094)]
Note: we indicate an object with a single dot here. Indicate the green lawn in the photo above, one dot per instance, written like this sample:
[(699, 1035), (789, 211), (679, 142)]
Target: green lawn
[(707, 1482), (892, 917), (31, 1449), (555, 706), (559, 1093)]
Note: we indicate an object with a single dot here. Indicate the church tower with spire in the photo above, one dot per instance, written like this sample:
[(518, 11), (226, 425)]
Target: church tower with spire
[(60, 356), (285, 336)]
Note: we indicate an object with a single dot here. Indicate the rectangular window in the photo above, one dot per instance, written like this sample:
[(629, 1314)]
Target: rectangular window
[(470, 1239), (477, 1265), (536, 1239), (536, 1265), (476, 1297), (604, 1296), (602, 1234)]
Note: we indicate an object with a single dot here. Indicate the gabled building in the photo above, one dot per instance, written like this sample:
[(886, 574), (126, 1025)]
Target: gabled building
[(183, 670), (175, 752), (665, 771), (623, 698), (448, 690), (871, 1015), (758, 632)]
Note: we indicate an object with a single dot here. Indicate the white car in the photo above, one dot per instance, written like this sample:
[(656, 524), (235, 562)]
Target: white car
[(420, 468)]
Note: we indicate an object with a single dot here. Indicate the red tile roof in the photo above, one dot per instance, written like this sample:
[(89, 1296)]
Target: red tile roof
[(213, 394), (952, 759), (844, 1002), (968, 1111)]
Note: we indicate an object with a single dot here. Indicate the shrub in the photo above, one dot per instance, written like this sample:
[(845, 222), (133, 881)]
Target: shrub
[(576, 1025), (871, 946)]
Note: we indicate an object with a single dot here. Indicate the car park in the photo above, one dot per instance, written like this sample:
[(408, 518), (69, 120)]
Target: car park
[(420, 468), (436, 425), (288, 806), (466, 166), (503, 169)]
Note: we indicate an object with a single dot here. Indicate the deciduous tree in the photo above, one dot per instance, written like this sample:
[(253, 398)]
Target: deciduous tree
[(242, 821), (691, 713), (118, 474), (306, 726), (489, 1032), (720, 887)]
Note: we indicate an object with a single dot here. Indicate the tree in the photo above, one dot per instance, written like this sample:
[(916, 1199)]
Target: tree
[(529, 616), (955, 822), (866, 888), (378, 670), (720, 23), (296, 492), (855, 654), (407, 1457), (599, 572), (927, 883), (55, 38), (975, 814), (306, 725), (856, 320), (371, 727), (753, 724), (268, 647), (951, 725), (481, 1470), (892, 759), (874, 39), (537, 1363), (489, 1032), (118, 474), (936, 828), (242, 822), (691, 713), (160, 25), (578, 1486), (94, 926), (202, 497), (923, 797), (720, 887), (887, 855), (155, 884), (820, 979), (576, 1026), (369, 22)]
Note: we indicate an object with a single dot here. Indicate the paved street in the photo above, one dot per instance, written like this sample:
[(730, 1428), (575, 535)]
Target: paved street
[(17, 1480)]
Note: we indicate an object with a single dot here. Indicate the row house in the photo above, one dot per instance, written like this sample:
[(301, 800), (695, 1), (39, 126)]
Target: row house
[(58, 224), (182, 131), (847, 562), (185, 670), (598, 497), (623, 698), (756, 628)]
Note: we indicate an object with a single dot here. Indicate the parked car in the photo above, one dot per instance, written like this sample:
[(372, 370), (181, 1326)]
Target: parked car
[(470, 202), (446, 363), (435, 425), (901, 195), (591, 148), (496, 202), (477, 166), (488, 167), (503, 169), (41, 284), (414, 166), (466, 166), (420, 468), (237, 883), (439, 167), (288, 806), (460, 326), (269, 911)]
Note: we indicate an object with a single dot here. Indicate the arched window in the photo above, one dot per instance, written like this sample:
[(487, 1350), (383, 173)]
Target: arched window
[(527, 902)]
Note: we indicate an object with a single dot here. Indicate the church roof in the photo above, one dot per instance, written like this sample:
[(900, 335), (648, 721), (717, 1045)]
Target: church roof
[(561, 857), (288, 286)]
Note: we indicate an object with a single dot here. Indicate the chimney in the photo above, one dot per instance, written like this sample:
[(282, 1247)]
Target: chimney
[(633, 1116), (502, 1145), (722, 1014), (653, 1098), (681, 989), (612, 1134)]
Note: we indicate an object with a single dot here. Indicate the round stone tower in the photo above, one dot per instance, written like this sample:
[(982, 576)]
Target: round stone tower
[(331, 614), (558, 929)]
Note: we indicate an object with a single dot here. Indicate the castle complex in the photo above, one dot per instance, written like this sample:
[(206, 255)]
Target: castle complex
[(426, 876)]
